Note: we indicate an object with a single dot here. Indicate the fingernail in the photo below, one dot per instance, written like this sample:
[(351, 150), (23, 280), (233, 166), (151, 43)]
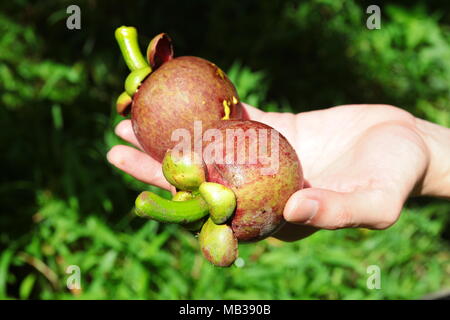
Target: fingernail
[(306, 210)]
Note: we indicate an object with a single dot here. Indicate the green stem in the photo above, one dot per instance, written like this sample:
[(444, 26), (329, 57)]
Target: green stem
[(127, 39), (163, 210), (134, 80), (183, 196)]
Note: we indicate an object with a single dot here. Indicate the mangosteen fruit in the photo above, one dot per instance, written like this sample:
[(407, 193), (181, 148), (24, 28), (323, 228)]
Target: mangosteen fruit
[(166, 93), (245, 175)]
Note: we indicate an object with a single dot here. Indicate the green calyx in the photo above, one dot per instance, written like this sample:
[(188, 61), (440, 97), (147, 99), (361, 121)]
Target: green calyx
[(183, 196), (127, 39), (221, 201), (135, 78), (123, 104), (218, 244), (191, 205), (153, 206), (185, 172)]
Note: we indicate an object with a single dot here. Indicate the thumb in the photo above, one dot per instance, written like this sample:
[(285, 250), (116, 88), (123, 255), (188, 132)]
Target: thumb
[(328, 209)]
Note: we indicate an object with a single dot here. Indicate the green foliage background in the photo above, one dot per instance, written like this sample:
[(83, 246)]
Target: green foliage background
[(62, 204)]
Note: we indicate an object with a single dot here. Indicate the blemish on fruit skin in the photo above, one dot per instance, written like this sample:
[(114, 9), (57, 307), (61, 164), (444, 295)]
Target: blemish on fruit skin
[(220, 73), (235, 100), (226, 109)]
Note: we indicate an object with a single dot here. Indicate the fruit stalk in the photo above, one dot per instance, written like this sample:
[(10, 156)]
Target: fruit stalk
[(153, 206), (183, 196), (134, 80), (127, 39)]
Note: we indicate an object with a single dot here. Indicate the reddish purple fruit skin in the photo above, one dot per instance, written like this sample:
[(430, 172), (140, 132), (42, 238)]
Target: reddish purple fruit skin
[(260, 198), (179, 92)]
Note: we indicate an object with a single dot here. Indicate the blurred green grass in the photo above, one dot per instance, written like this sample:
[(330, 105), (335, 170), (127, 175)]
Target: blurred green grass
[(62, 204)]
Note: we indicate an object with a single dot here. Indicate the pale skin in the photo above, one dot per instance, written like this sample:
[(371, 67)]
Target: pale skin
[(360, 162)]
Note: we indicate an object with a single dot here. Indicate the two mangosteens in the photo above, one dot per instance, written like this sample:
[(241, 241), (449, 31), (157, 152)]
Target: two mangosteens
[(233, 182)]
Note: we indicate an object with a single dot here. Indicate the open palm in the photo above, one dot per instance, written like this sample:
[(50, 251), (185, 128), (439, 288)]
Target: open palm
[(360, 162)]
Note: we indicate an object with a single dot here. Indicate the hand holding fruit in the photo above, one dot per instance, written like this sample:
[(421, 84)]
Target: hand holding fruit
[(350, 157), (357, 175)]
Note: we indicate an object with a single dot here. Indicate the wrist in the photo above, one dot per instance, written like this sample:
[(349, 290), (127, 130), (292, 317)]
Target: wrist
[(436, 181)]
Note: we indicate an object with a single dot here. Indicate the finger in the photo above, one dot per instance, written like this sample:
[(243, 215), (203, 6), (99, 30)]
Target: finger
[(138, 164), (125, 131), (334, 210)]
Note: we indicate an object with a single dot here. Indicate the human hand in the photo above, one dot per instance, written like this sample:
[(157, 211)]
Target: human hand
[(361, 163)]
